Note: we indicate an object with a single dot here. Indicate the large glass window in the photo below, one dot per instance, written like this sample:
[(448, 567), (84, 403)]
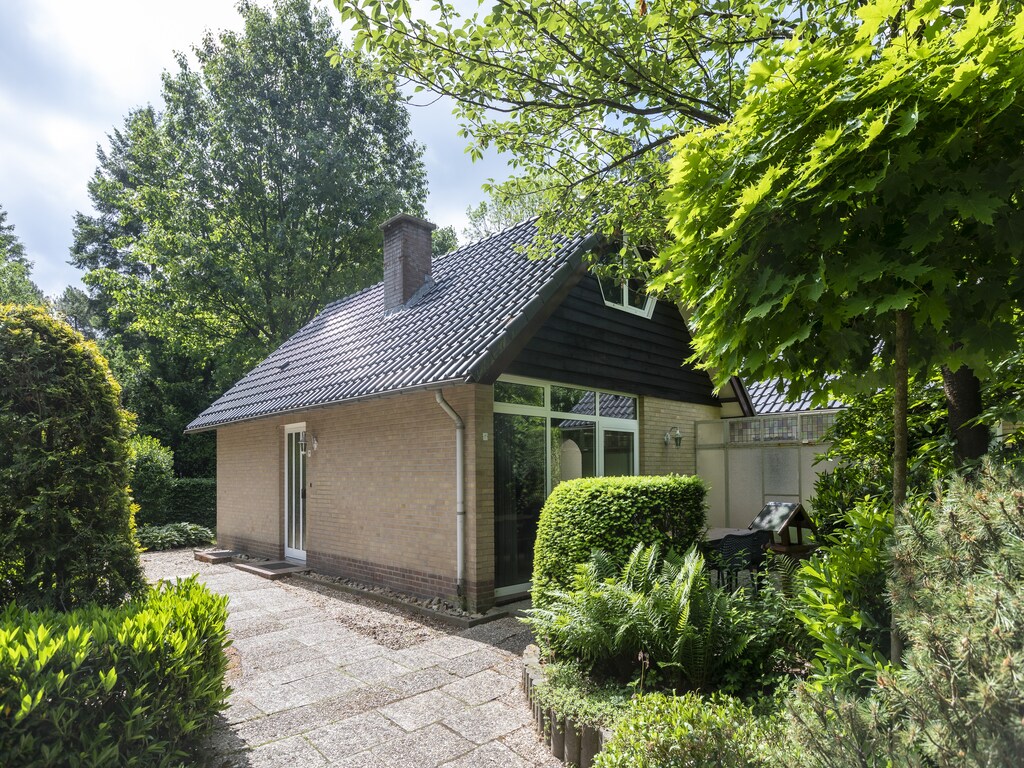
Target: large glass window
[(573, 449), (619, 449), (545, 434), (520, 488), (515, 393)]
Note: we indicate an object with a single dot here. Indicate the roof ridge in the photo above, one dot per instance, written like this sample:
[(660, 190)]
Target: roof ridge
[(527, 220)]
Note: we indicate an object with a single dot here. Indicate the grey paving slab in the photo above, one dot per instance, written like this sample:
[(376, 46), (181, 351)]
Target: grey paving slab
[(491, 755), (487, 722), (421, 680), (473, 662), (525, 743), (294, 752), (323, 680), (422, 709), (479, 688), (425, 748), (346, 652), (416, 658), (375, 670), (349, 737)]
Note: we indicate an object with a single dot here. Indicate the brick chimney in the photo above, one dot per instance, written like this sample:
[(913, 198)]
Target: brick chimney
[(407, 253)]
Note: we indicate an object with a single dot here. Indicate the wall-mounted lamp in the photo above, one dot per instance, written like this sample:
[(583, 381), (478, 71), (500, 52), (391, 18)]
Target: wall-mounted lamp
[(303, 443), (674, 434)]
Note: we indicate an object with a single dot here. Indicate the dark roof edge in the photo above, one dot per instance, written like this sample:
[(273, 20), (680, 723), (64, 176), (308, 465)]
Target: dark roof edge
[(190, 430), (512, 340), (743, 396)]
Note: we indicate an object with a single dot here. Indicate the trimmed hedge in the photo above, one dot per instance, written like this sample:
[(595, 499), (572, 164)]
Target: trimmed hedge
[(613, 514), (134, 685), (193, 500), (151, 474)]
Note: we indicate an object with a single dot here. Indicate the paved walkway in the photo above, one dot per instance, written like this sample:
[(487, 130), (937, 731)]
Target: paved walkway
[(320, 678)]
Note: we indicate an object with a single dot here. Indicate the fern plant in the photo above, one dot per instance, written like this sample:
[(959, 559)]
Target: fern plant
[(656, 609)]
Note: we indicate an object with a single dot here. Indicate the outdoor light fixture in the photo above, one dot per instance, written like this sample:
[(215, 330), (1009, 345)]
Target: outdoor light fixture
[(303, 443), (674, 434)]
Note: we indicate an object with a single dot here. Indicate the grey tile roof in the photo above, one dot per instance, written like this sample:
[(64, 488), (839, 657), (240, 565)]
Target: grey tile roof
[(766, 398), (483, 294)]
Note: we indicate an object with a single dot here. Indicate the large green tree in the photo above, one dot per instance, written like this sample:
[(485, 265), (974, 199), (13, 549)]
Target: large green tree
[(16, 286), (584, 95), (860, 218), (228, 218)]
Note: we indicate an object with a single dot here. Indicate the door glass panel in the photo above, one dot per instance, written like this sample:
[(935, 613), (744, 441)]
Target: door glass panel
[(518, 394), (573, 449), (295, 496), (301, 538), (618, 452), (618, 407), (519, 491)]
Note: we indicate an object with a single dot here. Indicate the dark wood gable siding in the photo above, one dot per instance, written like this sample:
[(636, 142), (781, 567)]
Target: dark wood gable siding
[(587, 343)]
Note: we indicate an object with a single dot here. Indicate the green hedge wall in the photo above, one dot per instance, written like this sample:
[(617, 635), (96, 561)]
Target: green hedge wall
[(613, 514), (151, 474), (187, 500), (134, 685)]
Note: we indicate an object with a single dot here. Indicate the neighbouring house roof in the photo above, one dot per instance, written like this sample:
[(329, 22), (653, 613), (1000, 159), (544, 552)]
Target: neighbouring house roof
[(483, 295), (766, 398)]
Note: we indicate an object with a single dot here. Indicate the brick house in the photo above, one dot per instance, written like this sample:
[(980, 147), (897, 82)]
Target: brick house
[(408, 435)]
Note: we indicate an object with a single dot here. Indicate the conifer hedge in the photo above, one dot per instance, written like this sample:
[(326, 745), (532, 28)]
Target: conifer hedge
[(65, 513), (613, 514)]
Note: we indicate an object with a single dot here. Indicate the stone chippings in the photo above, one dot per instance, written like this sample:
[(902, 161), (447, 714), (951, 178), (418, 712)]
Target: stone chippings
[(326, 679)]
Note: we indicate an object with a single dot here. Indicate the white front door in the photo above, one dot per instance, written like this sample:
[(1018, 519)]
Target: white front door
[(295, 492)]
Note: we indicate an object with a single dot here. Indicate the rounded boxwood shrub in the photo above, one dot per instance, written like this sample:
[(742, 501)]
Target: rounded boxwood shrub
[(151, 474), (65, 514), (613, 514)]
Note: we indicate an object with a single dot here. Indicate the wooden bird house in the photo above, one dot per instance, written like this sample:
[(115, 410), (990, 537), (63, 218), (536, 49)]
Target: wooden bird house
[(792, 530)]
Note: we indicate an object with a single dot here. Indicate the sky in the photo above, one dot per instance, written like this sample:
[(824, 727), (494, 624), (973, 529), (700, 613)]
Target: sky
[(71, 71)]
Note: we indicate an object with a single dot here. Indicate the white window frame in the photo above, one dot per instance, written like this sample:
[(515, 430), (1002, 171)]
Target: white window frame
[(623, 304), (297, 555), (601, 423)]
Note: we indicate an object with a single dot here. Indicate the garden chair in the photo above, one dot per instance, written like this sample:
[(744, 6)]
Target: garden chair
[(742, 552)]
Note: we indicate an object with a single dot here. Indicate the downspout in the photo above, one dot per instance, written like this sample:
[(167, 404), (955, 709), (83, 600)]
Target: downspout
[(460, 496)]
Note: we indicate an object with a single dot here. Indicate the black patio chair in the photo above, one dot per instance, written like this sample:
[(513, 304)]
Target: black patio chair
[(741, 552)]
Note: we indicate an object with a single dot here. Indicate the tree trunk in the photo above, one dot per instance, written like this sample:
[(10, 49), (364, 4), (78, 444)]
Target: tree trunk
[(901, 376), (963, 400)]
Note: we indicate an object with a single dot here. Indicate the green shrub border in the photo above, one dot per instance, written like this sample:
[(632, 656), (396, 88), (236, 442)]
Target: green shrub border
[(173, 536), (134, 685)]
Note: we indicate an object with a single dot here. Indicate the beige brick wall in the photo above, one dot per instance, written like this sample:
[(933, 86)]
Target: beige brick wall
[(380, 496), (249, 490), (381, 486), (657, 417), (480, 524)]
